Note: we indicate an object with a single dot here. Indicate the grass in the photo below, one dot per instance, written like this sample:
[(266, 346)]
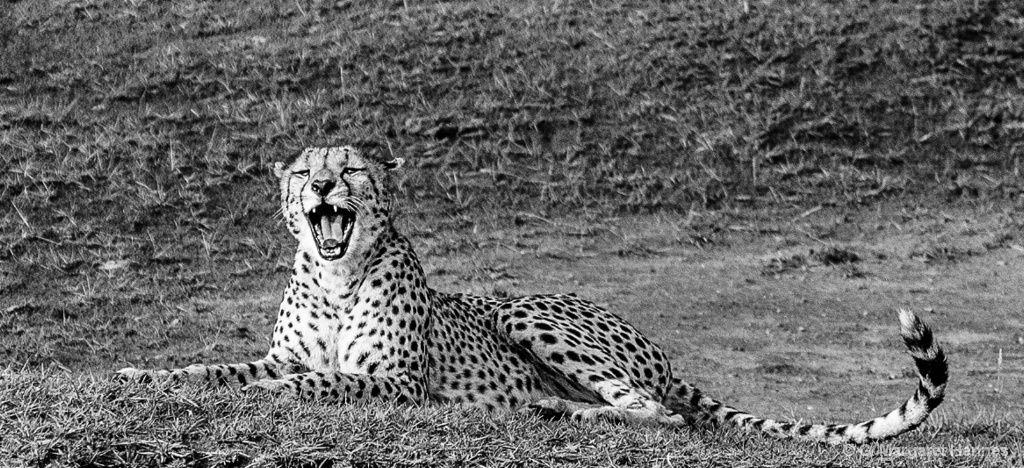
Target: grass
[(137, 206), (83, 421), (556, 106)]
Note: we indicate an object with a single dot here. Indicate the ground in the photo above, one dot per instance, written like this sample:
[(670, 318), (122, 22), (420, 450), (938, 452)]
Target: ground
[(791, 318), (756, 186)]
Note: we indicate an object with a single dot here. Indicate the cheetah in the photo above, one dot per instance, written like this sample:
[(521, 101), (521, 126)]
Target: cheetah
[(359, 323)]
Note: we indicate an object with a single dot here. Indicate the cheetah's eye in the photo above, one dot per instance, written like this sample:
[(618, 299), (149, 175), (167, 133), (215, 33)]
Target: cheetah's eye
[(352, 170), (302, 173)]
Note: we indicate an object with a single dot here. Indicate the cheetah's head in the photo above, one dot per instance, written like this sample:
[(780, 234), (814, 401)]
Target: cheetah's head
[(335, 200)]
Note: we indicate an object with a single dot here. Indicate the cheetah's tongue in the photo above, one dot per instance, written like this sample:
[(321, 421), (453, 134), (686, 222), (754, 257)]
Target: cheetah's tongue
[(333, 230)]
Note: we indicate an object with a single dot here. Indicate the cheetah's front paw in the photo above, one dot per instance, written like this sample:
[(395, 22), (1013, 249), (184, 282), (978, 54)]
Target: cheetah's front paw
[(275, 387), (554, 408), (142, 375)]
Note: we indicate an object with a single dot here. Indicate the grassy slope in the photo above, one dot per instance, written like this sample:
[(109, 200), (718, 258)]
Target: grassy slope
[(136, 138)]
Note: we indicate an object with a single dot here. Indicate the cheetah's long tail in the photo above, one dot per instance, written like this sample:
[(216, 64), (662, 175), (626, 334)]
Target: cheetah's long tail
[(932, 371)]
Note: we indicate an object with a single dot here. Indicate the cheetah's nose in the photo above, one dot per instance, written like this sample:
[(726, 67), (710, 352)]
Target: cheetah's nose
[(322, 186)]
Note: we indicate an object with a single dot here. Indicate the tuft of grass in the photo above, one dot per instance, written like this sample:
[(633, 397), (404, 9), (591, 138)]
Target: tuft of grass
[(829, 256)]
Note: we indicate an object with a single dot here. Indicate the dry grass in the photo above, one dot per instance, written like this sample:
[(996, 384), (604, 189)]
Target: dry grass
[(53, 418)]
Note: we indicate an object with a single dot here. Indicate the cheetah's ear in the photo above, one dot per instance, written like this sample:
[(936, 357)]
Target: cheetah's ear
[(279, 169), (394, 164)]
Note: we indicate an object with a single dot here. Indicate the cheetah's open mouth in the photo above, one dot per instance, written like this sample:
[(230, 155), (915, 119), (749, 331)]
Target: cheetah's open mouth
[(332, 228)]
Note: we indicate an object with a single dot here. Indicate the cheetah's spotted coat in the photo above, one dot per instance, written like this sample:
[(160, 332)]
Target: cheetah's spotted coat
[(358, 322)]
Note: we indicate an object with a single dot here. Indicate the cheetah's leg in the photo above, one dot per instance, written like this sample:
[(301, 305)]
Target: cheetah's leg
[(347, 388), (594, 364), (233, 375)]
